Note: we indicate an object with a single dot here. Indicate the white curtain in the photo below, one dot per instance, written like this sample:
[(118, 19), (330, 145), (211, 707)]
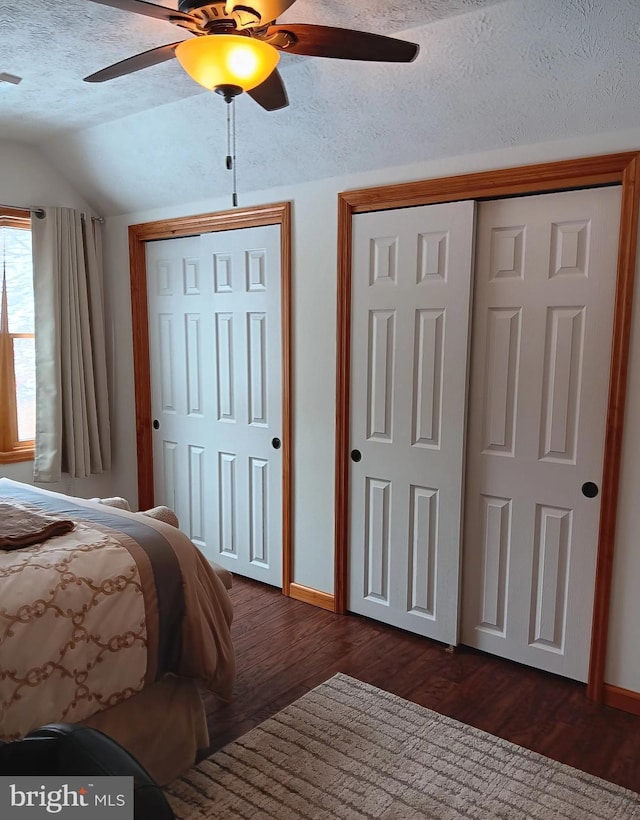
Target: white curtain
[(72, 405)]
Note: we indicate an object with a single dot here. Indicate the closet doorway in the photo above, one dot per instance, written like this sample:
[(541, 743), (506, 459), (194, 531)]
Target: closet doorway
[(214, 330), (204, 315), (526, 180), (412, 274), (541, 341)]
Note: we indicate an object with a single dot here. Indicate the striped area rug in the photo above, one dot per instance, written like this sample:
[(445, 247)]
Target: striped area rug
[(349, 750)]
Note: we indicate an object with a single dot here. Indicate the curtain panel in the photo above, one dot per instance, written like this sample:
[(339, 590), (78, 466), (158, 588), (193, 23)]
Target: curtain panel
[(72, 404)]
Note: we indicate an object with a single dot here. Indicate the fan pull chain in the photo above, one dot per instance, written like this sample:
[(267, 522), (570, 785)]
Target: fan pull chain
[(231, 146)]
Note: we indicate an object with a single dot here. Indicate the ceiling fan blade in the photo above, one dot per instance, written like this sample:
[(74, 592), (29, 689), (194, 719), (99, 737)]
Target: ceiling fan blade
[(135, 63), (341, 43), (148, 9), (270, 94), (267, 10)]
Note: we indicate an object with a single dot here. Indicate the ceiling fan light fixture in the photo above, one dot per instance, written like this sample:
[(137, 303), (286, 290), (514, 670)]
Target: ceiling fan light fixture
[(218, 60)]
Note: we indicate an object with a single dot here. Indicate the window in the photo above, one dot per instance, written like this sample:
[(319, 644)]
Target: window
[(17, 344)]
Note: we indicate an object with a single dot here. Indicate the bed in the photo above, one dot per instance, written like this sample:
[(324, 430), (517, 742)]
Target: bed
[(116, 623)]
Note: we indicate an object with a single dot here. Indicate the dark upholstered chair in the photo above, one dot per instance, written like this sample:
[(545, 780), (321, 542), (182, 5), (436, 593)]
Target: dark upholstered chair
[(70, 750)]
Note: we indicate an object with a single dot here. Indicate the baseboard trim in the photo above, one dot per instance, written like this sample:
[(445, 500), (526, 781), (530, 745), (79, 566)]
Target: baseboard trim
[(312, 596), (623, 699)]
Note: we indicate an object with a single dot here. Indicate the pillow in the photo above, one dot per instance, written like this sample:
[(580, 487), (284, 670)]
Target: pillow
[(163, 513), (116, 501)]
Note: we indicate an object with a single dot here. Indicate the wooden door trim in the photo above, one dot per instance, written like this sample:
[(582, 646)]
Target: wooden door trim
[(275, 214), (622, 169)]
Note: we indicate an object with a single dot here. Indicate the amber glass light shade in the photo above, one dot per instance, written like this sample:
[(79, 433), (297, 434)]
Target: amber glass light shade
[(227, 60)]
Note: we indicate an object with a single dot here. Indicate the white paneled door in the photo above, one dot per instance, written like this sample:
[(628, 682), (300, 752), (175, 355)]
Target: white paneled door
[(411, 290), (214, 305), (542, 324)]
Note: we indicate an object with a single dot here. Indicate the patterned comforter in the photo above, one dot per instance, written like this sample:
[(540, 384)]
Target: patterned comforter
[(89, 618)]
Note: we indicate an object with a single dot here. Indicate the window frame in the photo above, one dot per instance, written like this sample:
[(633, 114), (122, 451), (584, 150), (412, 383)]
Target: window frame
[(12, 450)]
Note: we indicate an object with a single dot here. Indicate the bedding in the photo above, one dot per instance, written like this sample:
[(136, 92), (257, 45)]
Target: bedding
[(91, 617)]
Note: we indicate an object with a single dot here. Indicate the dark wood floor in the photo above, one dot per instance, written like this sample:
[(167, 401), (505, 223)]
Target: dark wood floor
[(284, 648)]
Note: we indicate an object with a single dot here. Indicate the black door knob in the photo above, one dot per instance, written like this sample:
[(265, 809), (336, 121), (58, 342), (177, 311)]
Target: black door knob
[(589, 489), (356, 455), (276, 443), (156, 424)]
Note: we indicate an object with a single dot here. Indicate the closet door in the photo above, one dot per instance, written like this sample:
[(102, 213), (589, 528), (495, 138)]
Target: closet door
[(410, 320), (215, 342), (542, 324)]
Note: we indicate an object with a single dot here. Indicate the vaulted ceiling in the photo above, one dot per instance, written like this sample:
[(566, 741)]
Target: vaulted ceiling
[(490, 74)]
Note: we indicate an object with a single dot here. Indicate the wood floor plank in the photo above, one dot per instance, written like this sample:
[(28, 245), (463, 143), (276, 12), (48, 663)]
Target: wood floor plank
[(286, 647)]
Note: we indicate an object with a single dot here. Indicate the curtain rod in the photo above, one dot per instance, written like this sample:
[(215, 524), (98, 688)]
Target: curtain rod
[(40, 213), (37, 212)]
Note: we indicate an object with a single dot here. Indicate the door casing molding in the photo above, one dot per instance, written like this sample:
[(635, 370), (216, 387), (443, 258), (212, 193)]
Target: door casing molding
[(611, 169), (276, 214)]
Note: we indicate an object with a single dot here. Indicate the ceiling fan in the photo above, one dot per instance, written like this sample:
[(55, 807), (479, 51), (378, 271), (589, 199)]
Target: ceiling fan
[(238, 42)]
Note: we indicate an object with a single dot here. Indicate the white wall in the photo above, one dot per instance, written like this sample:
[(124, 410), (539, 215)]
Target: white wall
[(28, 180), (314, 334), (623, 647)]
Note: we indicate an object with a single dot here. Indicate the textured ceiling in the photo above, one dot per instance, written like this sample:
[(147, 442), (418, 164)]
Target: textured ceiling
[(488, 76), (53, 45)]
